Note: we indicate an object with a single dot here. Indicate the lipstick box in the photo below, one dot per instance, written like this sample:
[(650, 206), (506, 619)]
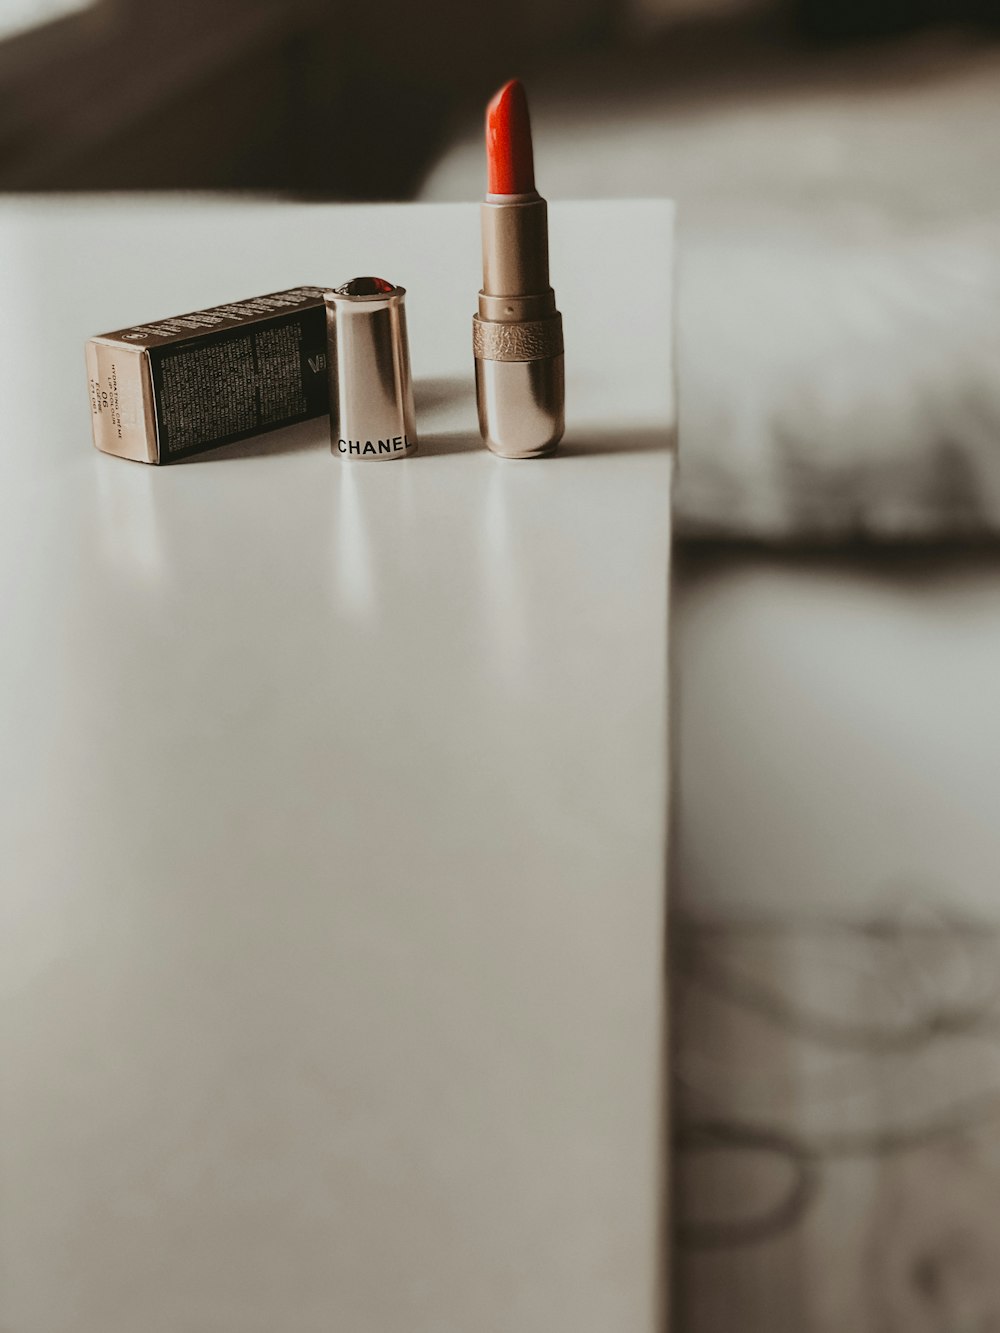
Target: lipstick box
[(176, 387)]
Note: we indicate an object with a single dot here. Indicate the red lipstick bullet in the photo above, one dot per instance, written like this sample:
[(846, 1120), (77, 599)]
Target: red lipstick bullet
[(510, 159), (517, 334)]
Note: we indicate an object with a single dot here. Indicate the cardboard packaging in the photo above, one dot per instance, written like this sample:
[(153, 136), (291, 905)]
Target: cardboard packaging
[(165, 390)]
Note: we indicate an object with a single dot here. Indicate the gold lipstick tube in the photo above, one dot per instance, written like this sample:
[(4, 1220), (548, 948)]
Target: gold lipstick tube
[(368, 356), (517, 338)]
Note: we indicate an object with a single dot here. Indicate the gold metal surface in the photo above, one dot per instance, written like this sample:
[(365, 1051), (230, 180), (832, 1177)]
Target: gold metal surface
[(521, 405), (371, 390), (517, 338), (515, 247), (121, 400), (520, 340)]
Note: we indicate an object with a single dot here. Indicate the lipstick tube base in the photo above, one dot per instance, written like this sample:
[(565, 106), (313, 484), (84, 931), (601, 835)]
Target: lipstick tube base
[(521, 412)]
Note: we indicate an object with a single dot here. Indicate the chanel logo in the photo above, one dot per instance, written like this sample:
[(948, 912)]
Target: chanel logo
[(394, 445)]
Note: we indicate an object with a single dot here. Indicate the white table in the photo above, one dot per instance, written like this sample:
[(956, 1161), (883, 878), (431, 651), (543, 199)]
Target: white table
[(333, 813)]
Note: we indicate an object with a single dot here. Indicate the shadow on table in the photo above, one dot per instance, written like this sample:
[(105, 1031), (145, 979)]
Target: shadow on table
[(607, 440), (447, 442), (436, 392)]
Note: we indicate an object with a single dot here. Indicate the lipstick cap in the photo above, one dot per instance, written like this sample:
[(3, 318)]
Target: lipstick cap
[(371, 391)]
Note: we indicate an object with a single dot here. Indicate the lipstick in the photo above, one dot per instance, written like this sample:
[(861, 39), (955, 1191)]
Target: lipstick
[(517, 335)]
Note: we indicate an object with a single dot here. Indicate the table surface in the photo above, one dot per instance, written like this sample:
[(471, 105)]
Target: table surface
[(334, 808)]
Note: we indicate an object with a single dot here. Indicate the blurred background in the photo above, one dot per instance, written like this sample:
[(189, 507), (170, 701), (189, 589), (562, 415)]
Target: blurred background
[(837, 600), (349, 100)]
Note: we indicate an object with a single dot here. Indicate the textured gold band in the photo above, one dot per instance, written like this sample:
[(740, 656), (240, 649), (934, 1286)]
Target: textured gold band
[(521, 340)]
